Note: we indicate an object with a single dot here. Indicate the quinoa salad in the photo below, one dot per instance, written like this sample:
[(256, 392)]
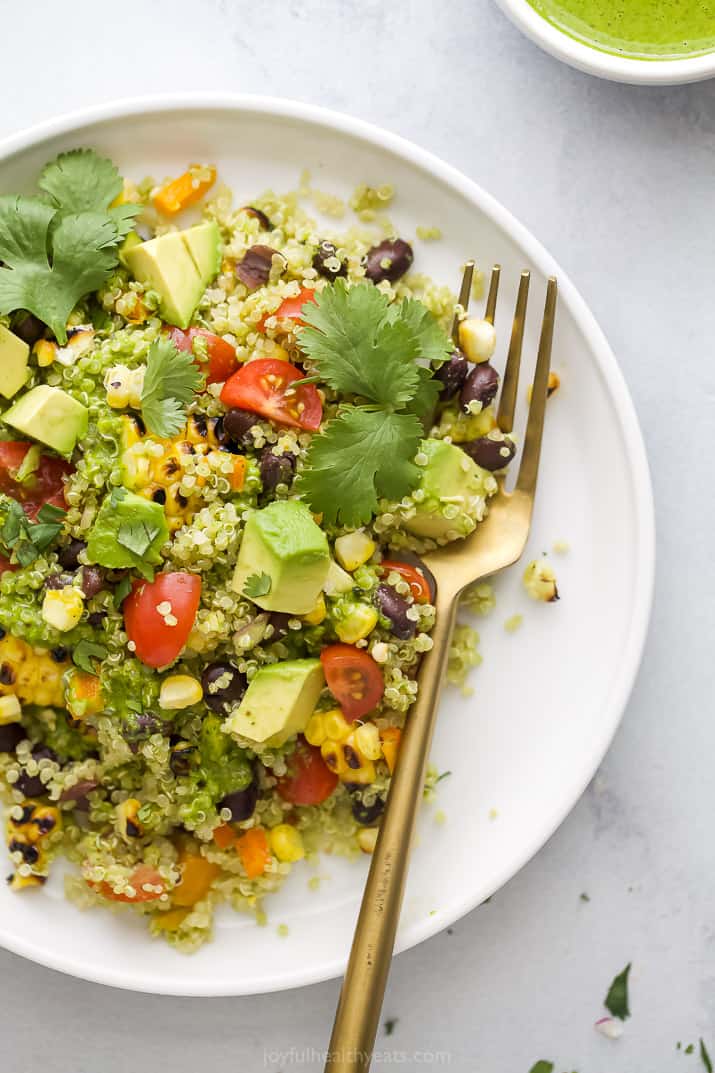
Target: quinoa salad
[(227, 435)]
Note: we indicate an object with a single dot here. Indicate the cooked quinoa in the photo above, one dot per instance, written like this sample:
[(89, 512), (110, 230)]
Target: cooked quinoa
[(175, 716)]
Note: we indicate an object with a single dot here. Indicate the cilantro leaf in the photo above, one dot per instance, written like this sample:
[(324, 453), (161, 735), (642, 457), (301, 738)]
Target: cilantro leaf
[(48, 512), (705, 1057), (137, 536), (362, 455), (426, 395), (80, 181), (122, 591), (84, 652), (435, 346), (257, 585), (170, 381), (358, 347), (43, 535), (616, 1001), (542, 1067)]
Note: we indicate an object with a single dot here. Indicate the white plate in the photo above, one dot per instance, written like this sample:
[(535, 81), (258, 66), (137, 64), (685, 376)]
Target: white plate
[(547, 699)]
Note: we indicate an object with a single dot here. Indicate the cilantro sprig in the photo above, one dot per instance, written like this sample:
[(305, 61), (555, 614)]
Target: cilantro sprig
[(170, 381), (61, 245), (382, 354), (23, 540)]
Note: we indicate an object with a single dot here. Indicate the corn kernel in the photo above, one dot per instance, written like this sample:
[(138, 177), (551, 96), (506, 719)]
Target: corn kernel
[(355, 767), (477, 338), (335, 725), (126, 821), (540, 581), (314, 733), (286, 842), (44, 351), (179, 691), (10, 710), (354, 549), (367, 740), (62, 608), (367, 839), (357, 624), (318, 614)]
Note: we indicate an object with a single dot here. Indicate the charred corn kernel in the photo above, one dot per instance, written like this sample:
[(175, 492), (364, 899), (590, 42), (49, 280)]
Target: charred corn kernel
[(367, 741), (82, 694), (390, 737), (540, 581), (179, 691), (18, 882), (171, 920), (185, 190), (333, 757), (10, 710), (31, 674), (80, 339), (318, 614), (124, 386), (286, 842), (315, 733), (335, 725), (358, 621), (354, 549), (44, 820), (357, 767), (477, 338), (62, 608), (126, 819), (367, 839), (554, 383), (45, 352)]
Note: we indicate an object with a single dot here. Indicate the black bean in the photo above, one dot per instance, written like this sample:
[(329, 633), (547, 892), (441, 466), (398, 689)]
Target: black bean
[(241, 803), (236, 424), (489, 453), (138, 726), (43, 752), (394, 608), (276, 469), (11, 734), (30, 785), (327, 263), (388, 260), (182, 756), (255, 268), (96, 618), (91, 580), (60, 653), (279, 621), (367, 815), (69, 557), (220, 698), (409, 557), (480, 386), (452, 375), (58, 581), (258, 214), (28, 327)]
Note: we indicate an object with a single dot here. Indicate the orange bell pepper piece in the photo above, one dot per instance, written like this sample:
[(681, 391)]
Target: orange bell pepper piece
[(171, 919), (238, 477), (254, 852), (197, 875), (225, 836), (185, 190)]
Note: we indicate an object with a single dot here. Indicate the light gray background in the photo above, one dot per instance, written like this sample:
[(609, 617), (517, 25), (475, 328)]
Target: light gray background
[(618, 183)]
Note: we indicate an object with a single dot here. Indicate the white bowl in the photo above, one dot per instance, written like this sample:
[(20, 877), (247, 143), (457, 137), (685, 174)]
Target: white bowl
[(605, 64), (548, 698)]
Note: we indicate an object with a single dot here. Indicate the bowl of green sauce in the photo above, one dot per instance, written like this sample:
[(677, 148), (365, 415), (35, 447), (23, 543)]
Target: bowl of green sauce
[(651, 41)]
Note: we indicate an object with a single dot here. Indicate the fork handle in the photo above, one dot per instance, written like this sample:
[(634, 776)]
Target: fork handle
[(358, 1012)]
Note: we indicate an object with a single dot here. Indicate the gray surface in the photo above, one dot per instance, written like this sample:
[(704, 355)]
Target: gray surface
[(618, 183)]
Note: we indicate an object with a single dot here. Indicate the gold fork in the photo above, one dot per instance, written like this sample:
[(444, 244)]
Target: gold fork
[(497, 542)]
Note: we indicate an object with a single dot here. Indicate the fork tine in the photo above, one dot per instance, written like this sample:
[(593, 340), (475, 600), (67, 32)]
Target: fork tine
[(492, 296), (526, 481), (510, 384), (464, 292)]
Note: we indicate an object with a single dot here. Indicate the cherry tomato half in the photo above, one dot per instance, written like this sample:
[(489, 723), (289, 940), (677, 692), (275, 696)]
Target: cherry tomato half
[(290, 308), (157, 641), (143, 874), (44, 485), (354, 679), (221, 355), (263, 387), (410, 574), (309, 781)]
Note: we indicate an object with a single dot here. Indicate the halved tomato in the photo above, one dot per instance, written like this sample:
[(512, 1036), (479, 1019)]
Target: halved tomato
[(264, 387), (354, 679), (309, 781), (221, 355), (417, 581), (290, 308), (159, 614), (44, 485)]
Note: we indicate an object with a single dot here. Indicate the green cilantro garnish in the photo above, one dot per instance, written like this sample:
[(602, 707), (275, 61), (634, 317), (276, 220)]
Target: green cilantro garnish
[(23, 539), (542, 1067), (257, 585), (170, 381), (122, 591), (616, 1001), (690, 1049), (60, 246), (390, 1025), (365, 346), (84, 652), (705, 1057), (137, 536)]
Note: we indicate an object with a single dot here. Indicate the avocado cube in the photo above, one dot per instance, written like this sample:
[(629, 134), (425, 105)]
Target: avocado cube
[(129, 531), (278, 703), (51, 416), (204, 244), (14, 353), (178, 266), (283, 542), (454, 493)]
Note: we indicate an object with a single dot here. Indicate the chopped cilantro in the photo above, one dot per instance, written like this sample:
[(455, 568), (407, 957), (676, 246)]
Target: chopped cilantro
[(48, 512), (584, 897), (443, 775), (616, 1000), (23, 539), (137, 536), (122, 591), (170, 381), (257, 585), (542, 1067), (705, 1057), (390, 1025), (689, 1049), (83, 653)]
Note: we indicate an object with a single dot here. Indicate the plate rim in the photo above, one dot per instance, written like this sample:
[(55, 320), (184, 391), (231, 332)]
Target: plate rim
[(644, 511)]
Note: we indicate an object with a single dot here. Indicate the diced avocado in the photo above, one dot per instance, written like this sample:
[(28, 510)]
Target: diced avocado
[(14, 353), (283, 542), (51, 416), (131, 240), (129, 531), (454, 493), (278, 702), (337, 580), (178, 266)]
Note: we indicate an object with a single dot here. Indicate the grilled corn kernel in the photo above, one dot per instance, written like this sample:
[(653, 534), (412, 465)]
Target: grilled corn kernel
[(367, 839), (18, 882), (554, 383), (335, 725), (477, 338), (179, 691), (31, 674), (124, 386), (360, 621), (126, 821), (356, 767), (10, 710), (540, 581), (333, 757), (354, 549), (286, 842), (318, 614), (367, 740), (315, 733), (45, 352), (62, 608)]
